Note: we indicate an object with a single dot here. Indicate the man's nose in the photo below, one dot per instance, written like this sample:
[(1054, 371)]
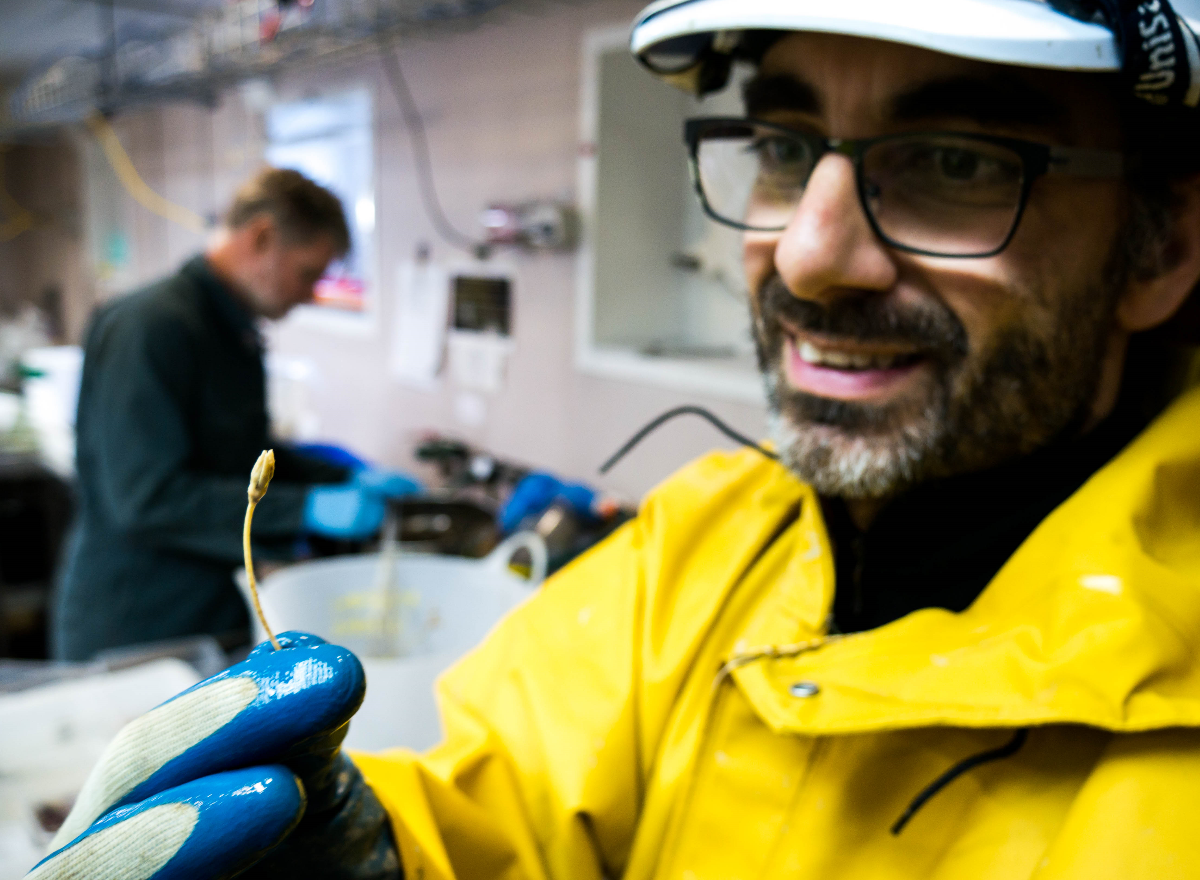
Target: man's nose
[(829, 249)]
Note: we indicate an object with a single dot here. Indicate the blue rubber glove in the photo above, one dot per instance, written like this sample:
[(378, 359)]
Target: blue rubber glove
[(331, 453), (388, 483), (242, 772), (537, 491), (345, 511)]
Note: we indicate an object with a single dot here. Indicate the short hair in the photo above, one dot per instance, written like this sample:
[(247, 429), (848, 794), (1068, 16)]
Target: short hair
[(301, 209)]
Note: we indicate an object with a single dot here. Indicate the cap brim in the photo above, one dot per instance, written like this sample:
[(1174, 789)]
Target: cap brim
[(1026, 32)]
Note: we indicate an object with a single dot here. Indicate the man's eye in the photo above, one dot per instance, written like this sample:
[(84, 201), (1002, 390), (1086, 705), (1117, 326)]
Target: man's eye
[(963, 165), (959, 164), (774, 151)]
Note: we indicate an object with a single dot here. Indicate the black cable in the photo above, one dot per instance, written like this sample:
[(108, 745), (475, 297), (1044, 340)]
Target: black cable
[(420, 147), (680, 411), (1008, 749)]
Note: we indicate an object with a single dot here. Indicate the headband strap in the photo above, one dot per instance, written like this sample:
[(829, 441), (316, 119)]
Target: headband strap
[(1160, 58)]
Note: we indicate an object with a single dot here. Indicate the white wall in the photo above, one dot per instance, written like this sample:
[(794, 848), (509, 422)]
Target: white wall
[(501, 104), (43, 179)]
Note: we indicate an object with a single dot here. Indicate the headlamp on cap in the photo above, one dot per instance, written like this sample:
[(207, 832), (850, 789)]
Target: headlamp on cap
[(697, 63), (692, 44)]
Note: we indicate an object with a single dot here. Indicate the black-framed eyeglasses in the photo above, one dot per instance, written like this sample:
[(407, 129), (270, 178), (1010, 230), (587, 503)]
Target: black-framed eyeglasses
[(939, 194)]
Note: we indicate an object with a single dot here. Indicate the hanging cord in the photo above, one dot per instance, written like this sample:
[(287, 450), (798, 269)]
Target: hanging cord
[(1007, 750), (137, 188), (420, 147), (681, 411)]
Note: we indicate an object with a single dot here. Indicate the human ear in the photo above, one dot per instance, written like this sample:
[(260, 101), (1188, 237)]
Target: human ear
[(262, 234), (1151, 301)]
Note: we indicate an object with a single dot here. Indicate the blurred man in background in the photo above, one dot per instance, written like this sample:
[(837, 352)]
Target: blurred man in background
[(172, 415)]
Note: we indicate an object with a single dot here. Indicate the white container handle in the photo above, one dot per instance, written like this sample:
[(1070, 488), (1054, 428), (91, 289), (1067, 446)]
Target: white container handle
[(500, 557)]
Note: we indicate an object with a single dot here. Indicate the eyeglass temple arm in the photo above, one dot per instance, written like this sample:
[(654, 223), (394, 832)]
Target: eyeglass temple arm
[(1080, 162)]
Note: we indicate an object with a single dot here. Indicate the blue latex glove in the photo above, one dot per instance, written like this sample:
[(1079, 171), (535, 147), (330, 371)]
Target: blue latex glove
[(242, 772), (537, 491), (332, 454), (388, 483), (345, 511)]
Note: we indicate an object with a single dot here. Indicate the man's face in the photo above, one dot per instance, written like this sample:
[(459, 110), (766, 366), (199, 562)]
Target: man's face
[(886, 368), (281, 274)]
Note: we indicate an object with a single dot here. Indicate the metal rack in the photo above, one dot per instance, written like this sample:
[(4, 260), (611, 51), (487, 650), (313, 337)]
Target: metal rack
[(220, 46)]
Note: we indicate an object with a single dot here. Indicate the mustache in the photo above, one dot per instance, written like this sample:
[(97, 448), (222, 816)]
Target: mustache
[(930, 327)]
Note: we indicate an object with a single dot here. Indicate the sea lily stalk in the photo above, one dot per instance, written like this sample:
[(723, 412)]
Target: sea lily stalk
[(260, 478)]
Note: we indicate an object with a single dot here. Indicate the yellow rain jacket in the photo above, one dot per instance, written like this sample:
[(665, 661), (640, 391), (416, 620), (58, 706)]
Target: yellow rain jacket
[(669, 706)]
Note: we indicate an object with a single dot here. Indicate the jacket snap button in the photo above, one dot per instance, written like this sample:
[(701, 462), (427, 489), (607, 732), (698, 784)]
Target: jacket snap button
[(804, 689)]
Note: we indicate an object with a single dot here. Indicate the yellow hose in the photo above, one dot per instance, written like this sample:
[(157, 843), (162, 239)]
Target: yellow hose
[(137, 188)]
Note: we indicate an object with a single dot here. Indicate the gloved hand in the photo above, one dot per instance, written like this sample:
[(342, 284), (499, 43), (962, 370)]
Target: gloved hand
[(388, 483), (345, 511), (244, 771), (537, 491)]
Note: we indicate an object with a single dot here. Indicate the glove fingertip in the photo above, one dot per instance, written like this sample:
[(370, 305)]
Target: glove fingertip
[(209, 827), (258, 709)]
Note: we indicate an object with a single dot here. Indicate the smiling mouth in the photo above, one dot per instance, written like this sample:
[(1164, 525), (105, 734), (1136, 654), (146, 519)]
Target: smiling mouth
[(853, 361), (852, 372)]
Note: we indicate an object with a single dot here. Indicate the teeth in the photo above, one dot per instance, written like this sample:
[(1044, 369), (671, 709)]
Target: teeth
[(843, 360)]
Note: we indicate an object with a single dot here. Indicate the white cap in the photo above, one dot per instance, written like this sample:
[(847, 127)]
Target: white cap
[(1021, 32)]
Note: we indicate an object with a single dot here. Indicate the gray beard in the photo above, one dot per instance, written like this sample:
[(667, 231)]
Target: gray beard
[(1034, 385), (838, 463)]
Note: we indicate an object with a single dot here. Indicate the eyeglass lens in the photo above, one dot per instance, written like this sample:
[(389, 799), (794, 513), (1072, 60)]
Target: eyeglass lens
[(943, 194)]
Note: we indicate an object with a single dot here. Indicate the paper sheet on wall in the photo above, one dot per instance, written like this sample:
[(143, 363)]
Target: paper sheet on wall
[(419, 323), (477, 360)]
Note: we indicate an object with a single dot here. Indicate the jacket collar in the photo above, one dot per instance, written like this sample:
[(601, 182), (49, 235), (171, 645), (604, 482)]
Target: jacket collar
[(1094, 620), (224, 302)]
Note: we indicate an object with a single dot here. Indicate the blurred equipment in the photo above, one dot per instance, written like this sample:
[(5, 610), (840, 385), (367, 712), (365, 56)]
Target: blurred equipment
[(534, 225), (446, 526), (459, 466), (570, 517), (436, 609), (51, 392), (52, 734), (24, 330), (35, 510), (441, 523)]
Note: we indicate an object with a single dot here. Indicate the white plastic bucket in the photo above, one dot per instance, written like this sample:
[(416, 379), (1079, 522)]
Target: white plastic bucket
[(440, 607)]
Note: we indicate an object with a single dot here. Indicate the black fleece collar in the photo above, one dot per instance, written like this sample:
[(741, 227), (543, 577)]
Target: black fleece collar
[(938, 545)]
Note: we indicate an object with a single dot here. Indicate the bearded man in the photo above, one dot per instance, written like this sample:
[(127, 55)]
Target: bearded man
[(952, 633)]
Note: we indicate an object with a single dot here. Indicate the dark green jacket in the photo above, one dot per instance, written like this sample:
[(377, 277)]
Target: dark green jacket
[(172, 415)]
